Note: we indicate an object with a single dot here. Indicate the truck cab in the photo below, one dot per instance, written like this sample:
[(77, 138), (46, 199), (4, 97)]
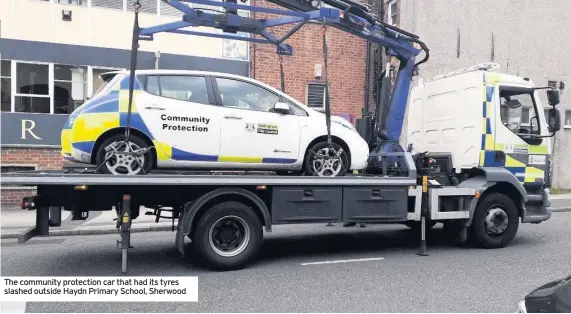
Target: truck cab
[(488, 124)]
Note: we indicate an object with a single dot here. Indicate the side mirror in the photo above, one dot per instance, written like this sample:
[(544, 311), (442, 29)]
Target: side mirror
[(553, 97), (281, 107), (554, 123)]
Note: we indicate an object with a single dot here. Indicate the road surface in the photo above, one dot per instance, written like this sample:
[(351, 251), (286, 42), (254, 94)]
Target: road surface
[(380, 270)]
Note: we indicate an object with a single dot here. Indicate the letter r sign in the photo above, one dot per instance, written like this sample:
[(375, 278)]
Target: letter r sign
[(28, 126)]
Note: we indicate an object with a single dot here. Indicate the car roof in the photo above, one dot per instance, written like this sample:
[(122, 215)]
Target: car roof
[(167, 71)]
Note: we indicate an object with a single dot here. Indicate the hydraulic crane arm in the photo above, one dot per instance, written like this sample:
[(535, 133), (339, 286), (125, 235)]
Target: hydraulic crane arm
[(354, 19)]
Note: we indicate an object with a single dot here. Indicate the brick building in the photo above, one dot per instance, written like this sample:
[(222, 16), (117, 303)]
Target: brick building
[(81, 38)]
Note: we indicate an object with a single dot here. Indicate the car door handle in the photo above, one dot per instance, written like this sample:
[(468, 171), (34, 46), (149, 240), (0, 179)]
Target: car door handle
[(232, 117), (154, 108)]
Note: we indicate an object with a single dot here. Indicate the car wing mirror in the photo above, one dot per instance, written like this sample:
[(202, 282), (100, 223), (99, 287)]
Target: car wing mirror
[(281, 107)]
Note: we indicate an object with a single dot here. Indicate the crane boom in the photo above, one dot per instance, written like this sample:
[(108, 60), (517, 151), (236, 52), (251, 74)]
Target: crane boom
[(346, 15)]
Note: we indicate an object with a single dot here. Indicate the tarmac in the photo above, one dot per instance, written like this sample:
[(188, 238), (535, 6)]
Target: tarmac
[(15, 221)]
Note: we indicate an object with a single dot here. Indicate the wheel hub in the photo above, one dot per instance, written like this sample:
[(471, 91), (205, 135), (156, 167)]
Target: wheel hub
[(327, 162), (229, 236), (496, 221), (119, 163)]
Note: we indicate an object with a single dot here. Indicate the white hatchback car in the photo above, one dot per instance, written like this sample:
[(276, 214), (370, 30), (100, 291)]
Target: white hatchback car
[(208, 121)]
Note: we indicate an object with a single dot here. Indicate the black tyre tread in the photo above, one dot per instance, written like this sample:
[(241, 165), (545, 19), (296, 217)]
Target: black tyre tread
[(207, 256), (477, 234), (100, 154), (307, 165)]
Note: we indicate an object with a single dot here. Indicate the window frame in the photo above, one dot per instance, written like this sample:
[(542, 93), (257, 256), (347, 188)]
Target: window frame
[(209, 91), (85, 84), (90, 78), (390, 13), (218, 95), (322, 108), (8, 76), (521, 91), (15, 94), (51, 86), (565, 112), (85, 3)]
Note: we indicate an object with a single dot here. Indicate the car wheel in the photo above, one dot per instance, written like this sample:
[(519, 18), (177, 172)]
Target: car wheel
[(495, 221), (228, 236), (322, 161), (121, 164)]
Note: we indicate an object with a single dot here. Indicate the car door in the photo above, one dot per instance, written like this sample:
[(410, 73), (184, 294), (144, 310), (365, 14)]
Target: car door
[(250, 132), (180, 112)]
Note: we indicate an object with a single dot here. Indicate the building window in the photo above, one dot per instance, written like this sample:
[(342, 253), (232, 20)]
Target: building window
[(74, 2), (70, 88), (148, 6), (315, 97), (392, 13), (567, 118), (108, 4), (167, 9), (32, 88), (6, 85), (97, 82)]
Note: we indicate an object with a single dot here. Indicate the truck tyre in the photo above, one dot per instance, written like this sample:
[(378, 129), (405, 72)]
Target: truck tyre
[(314, 166), (228, 236), (495, 221), (123, 164)]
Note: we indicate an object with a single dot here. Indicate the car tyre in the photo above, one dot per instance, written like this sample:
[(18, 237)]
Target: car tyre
[(495, 221), (228, 236), (121, 164), (312, 166)]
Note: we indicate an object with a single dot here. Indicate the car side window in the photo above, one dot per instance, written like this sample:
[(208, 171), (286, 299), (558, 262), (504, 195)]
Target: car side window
[(181, 87), (239, 94)]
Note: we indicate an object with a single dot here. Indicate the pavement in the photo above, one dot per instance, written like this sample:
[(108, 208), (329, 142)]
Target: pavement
[(314, 268), (15, 221)]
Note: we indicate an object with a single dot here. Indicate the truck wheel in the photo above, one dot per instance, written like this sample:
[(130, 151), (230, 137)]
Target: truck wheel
[(228, 236), (495, 221), (123, 164), (313, 165)]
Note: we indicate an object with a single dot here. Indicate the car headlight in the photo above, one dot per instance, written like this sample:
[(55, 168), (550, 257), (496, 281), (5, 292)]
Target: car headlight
[(521, 307)]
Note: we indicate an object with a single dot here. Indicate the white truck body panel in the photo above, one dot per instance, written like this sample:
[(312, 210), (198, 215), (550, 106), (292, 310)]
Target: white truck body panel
[(445, 116)]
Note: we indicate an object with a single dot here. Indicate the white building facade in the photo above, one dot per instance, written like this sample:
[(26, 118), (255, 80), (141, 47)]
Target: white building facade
[(526, 38)]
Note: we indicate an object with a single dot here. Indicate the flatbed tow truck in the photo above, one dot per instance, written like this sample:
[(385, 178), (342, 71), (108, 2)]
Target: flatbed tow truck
[(224, 215)]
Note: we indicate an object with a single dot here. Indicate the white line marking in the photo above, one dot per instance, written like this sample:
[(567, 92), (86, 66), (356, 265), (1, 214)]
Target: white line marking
[(345, 261)]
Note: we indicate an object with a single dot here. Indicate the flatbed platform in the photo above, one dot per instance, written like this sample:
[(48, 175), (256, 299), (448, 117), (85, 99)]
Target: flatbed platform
[(37, 178)]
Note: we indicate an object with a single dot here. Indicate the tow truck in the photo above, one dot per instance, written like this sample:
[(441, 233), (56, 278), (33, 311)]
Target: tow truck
[(463, 166)]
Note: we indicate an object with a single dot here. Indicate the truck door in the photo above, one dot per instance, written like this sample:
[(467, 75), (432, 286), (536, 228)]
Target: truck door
[(518, 123)]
